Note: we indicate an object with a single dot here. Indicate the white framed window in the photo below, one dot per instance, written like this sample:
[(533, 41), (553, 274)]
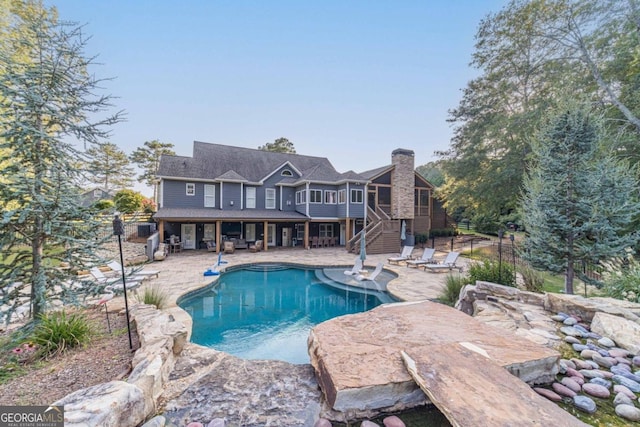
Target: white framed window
[(342, 197), (286, 172), (270, 198), (97, 193), (209, 196), (356, 196), (251, 197), (315, 196), (190, 189), (326, 230), (250, 232), (301, 197), (209, 232), (330, 197)]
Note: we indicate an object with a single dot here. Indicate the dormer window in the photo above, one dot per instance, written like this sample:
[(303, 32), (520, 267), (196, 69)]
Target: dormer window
[(190, 189), (286, 172)]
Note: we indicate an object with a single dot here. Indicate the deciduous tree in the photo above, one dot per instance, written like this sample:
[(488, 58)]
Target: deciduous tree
[(280, 145), (148, 159)]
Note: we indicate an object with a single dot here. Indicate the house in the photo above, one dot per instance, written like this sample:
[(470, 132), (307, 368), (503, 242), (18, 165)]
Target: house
[(89, 197), (225, 193)]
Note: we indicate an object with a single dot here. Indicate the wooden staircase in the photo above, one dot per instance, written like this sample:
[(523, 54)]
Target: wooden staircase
[(382, 234)]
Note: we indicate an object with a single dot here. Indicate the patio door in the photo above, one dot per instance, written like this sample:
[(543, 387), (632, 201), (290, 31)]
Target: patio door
[(188, 236), (271, 235)]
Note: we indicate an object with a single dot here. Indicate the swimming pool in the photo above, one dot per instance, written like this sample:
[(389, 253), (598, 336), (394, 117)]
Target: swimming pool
[(266, 311)]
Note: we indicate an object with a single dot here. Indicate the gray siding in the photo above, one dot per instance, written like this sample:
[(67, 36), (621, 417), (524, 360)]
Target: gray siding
[(175, 195), (231, 193), (322, 209), (356, 210)]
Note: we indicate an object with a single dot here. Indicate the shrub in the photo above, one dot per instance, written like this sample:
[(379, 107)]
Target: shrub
[(451, 291), (494, 272), (621, 278), (154, 295), (56, 332), (421, 239), (486, 225), (533, 280)]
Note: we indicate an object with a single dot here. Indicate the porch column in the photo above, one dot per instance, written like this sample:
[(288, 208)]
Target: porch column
[(306, 235), (265, 237), (161, 231), (218, 235), (347, 233)]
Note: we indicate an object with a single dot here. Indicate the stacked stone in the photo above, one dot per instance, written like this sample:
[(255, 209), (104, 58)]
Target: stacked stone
[(602, 370)]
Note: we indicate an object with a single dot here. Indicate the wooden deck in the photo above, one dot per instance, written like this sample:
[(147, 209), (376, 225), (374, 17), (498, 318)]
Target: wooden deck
[(472, 390)]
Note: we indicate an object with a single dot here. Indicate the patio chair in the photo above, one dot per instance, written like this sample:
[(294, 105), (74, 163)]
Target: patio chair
[(211, 245), (426, 258), (229, 247), (99, 276), (357, 267), (256, 247), (117, 267), (449, 263), (314, 242), (404, 256), (373, 275)]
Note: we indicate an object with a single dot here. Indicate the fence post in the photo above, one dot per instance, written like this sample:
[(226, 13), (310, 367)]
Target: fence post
[(500, 234)]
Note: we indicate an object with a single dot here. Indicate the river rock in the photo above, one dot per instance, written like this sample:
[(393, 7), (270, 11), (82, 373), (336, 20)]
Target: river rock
[(621, 399), (591, 373), (581, 364), (606, 342), (626, 332), (636, 360), (566, 363), (602, 382), (628, 412), (157, 421), (596, 390), (549, 394), (393, 421), (367, 423), (619, 388), (195, 424), (580, 380), (584, 403), (605, 362), (620, 369), (624, 360), (558, 318), (586, 353), (563, 390), (572, 340), (569, 321), (574, 373), (618, 352), (630, 384), (571, 331), (217, 422), (322, 422), (571, 384), (578, 348)]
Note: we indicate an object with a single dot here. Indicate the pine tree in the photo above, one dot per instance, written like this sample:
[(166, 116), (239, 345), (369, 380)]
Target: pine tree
[(109, 167), (47, 103), (578, 201)]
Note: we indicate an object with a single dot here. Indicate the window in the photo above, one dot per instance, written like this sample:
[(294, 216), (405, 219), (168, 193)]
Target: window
[(356, 196), (97, 193), (270, 198), (315, 196), (330, 197), (301, 197), (191, 189), (286, 172), (326, 230), (342, 197), (209, 232), (250, 232), (251, 198), (209, 196)]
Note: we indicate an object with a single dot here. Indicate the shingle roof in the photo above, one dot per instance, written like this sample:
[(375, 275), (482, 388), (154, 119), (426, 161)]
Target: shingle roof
[(375, 172), (215, 161), (209, 214)]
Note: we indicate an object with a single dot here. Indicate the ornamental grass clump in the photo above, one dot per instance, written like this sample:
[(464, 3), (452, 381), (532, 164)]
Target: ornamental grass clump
[(451, 291), (58, 331), (621, 278), (154, 295), (532, 279)]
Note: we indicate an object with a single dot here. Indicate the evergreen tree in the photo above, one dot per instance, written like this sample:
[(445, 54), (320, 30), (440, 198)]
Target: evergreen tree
[(579, 201), (148, 159), (46, 99), (109, 167)]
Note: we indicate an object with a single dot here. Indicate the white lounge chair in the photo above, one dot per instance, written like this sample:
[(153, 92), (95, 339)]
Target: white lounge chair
[(102, 279), (426, 258), (405, 255), (373, 275), (357, 267), (117, 267), (449, 263)]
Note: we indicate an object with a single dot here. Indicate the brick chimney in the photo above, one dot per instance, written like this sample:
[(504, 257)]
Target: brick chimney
[(402, 184)]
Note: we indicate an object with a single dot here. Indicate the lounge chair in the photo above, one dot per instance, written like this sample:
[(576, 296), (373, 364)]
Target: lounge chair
[(357, 266), (115, 266), (373, 275), (426, 258), (99, 276), (404, 256), (449, 263)]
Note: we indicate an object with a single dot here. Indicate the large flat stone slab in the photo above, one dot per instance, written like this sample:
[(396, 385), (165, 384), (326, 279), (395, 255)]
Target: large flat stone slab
[(359, 367), (471, 390)]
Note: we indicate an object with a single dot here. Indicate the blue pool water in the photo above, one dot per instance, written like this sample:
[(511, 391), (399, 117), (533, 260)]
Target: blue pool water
[(266, 312)]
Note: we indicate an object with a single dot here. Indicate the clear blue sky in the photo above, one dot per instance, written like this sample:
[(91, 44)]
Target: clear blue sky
[(346, 80)]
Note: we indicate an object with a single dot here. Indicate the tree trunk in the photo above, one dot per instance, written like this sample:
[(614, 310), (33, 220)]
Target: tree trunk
[(570, 274)]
